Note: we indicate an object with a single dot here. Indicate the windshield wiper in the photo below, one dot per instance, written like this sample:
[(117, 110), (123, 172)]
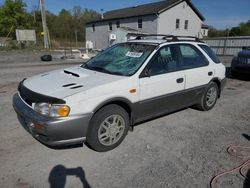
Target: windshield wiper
[(101, 69)]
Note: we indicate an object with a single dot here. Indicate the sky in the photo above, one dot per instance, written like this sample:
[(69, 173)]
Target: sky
[(221, 14)]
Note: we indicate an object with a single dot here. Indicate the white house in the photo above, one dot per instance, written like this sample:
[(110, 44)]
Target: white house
[(173, 17), (204, 31)]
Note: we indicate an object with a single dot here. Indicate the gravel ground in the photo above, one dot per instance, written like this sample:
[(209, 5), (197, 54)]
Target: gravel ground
[(184, 149)]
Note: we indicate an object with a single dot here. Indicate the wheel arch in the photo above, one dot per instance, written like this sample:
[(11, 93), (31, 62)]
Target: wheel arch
[(218, 82), (120, 101)]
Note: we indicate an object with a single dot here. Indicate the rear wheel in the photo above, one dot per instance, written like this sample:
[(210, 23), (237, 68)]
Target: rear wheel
[(209, 98), (108, 128)]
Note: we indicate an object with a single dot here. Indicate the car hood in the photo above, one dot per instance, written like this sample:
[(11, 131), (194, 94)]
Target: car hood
[(66, 82)]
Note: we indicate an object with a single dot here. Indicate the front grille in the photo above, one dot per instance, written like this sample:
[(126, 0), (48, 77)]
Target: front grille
[(25, 98), (244, 60)]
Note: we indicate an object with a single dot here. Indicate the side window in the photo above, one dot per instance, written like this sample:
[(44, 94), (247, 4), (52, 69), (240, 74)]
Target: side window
[(139, 23), (191, 57), (210, 53), (165, 60), (177, 24)]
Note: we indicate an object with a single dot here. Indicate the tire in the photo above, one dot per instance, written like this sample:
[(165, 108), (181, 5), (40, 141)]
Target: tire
[(46, 58), (104, 134), (206, 104)]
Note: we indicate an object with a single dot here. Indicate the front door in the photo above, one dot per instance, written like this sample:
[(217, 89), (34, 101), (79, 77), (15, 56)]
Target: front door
[(161, 84)]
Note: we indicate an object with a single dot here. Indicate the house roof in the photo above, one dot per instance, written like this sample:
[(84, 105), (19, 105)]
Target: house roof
[(143, 10)]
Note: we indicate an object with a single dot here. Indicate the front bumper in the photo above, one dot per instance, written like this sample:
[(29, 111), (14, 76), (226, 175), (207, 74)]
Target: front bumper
[(49, 130), (238, 67)]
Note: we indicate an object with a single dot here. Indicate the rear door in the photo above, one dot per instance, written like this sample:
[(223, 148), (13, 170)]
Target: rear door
[(161, 83), (197, 72)]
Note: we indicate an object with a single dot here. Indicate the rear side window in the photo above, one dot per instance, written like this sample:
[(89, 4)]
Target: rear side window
[(192, 57), (210, 53)]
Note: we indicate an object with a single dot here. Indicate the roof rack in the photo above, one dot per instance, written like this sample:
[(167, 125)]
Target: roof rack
[(144, 36), (169, 38), (186, 38)]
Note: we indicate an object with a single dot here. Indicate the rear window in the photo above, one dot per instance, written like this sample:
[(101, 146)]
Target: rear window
[(210, 53)]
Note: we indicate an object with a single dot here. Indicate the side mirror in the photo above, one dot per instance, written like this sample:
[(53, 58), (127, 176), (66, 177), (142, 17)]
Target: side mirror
[(244, 48)]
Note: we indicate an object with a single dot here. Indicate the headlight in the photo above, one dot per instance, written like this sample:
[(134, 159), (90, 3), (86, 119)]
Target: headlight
[(52, 110)]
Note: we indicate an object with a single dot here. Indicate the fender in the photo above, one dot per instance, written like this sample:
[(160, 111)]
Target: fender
[(220, 82), (123, 102)]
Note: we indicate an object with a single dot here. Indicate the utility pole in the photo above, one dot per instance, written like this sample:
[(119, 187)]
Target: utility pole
[(34, 13), (45, 31), (76, 38)]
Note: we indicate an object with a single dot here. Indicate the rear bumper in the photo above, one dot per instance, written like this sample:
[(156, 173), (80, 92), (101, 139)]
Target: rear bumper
[(52, 131)]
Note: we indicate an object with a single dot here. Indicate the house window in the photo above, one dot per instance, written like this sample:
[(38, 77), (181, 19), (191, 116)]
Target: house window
[(93, 27), (139, 23), (177, 25), (186, 25), (204, 32), (110, 26), (117, 24)]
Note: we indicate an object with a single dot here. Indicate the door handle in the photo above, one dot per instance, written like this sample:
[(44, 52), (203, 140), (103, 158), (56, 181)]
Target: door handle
[(180, 80), (210, 73)]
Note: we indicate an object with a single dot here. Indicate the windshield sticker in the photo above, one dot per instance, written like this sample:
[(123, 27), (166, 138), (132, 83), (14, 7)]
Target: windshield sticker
[(134, 54)]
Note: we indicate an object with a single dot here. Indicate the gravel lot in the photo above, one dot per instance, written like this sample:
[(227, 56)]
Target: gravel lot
[(185, 149)]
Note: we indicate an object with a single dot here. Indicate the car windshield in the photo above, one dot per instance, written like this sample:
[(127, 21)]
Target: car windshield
[(122, 59)]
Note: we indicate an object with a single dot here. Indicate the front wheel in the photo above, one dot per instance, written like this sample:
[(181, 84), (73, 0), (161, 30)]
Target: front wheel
[(108, 128), (209, 98)]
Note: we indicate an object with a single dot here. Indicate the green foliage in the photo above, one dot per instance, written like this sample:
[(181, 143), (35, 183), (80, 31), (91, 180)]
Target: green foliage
[(242, 30), (64, 26), (14, 16)]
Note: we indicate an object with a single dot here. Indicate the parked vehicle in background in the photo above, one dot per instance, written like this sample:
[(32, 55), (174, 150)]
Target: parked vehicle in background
[(241, 63), (124, 85)]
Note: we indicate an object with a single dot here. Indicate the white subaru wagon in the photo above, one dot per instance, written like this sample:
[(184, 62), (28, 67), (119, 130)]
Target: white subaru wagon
[(98, 102)]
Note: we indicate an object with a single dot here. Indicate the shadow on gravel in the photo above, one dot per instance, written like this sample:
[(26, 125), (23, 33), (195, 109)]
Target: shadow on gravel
[(58, 176), (246, 136), (66, 147), (242, 77), (247, 180)]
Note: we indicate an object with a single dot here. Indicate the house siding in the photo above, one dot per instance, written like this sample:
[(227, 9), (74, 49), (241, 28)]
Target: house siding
[(182, 11), (100, 38)]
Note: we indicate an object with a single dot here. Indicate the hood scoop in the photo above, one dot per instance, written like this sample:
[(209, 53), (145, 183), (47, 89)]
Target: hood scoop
[(68, 85), (76, 87), (72, 86), (71, 73)]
